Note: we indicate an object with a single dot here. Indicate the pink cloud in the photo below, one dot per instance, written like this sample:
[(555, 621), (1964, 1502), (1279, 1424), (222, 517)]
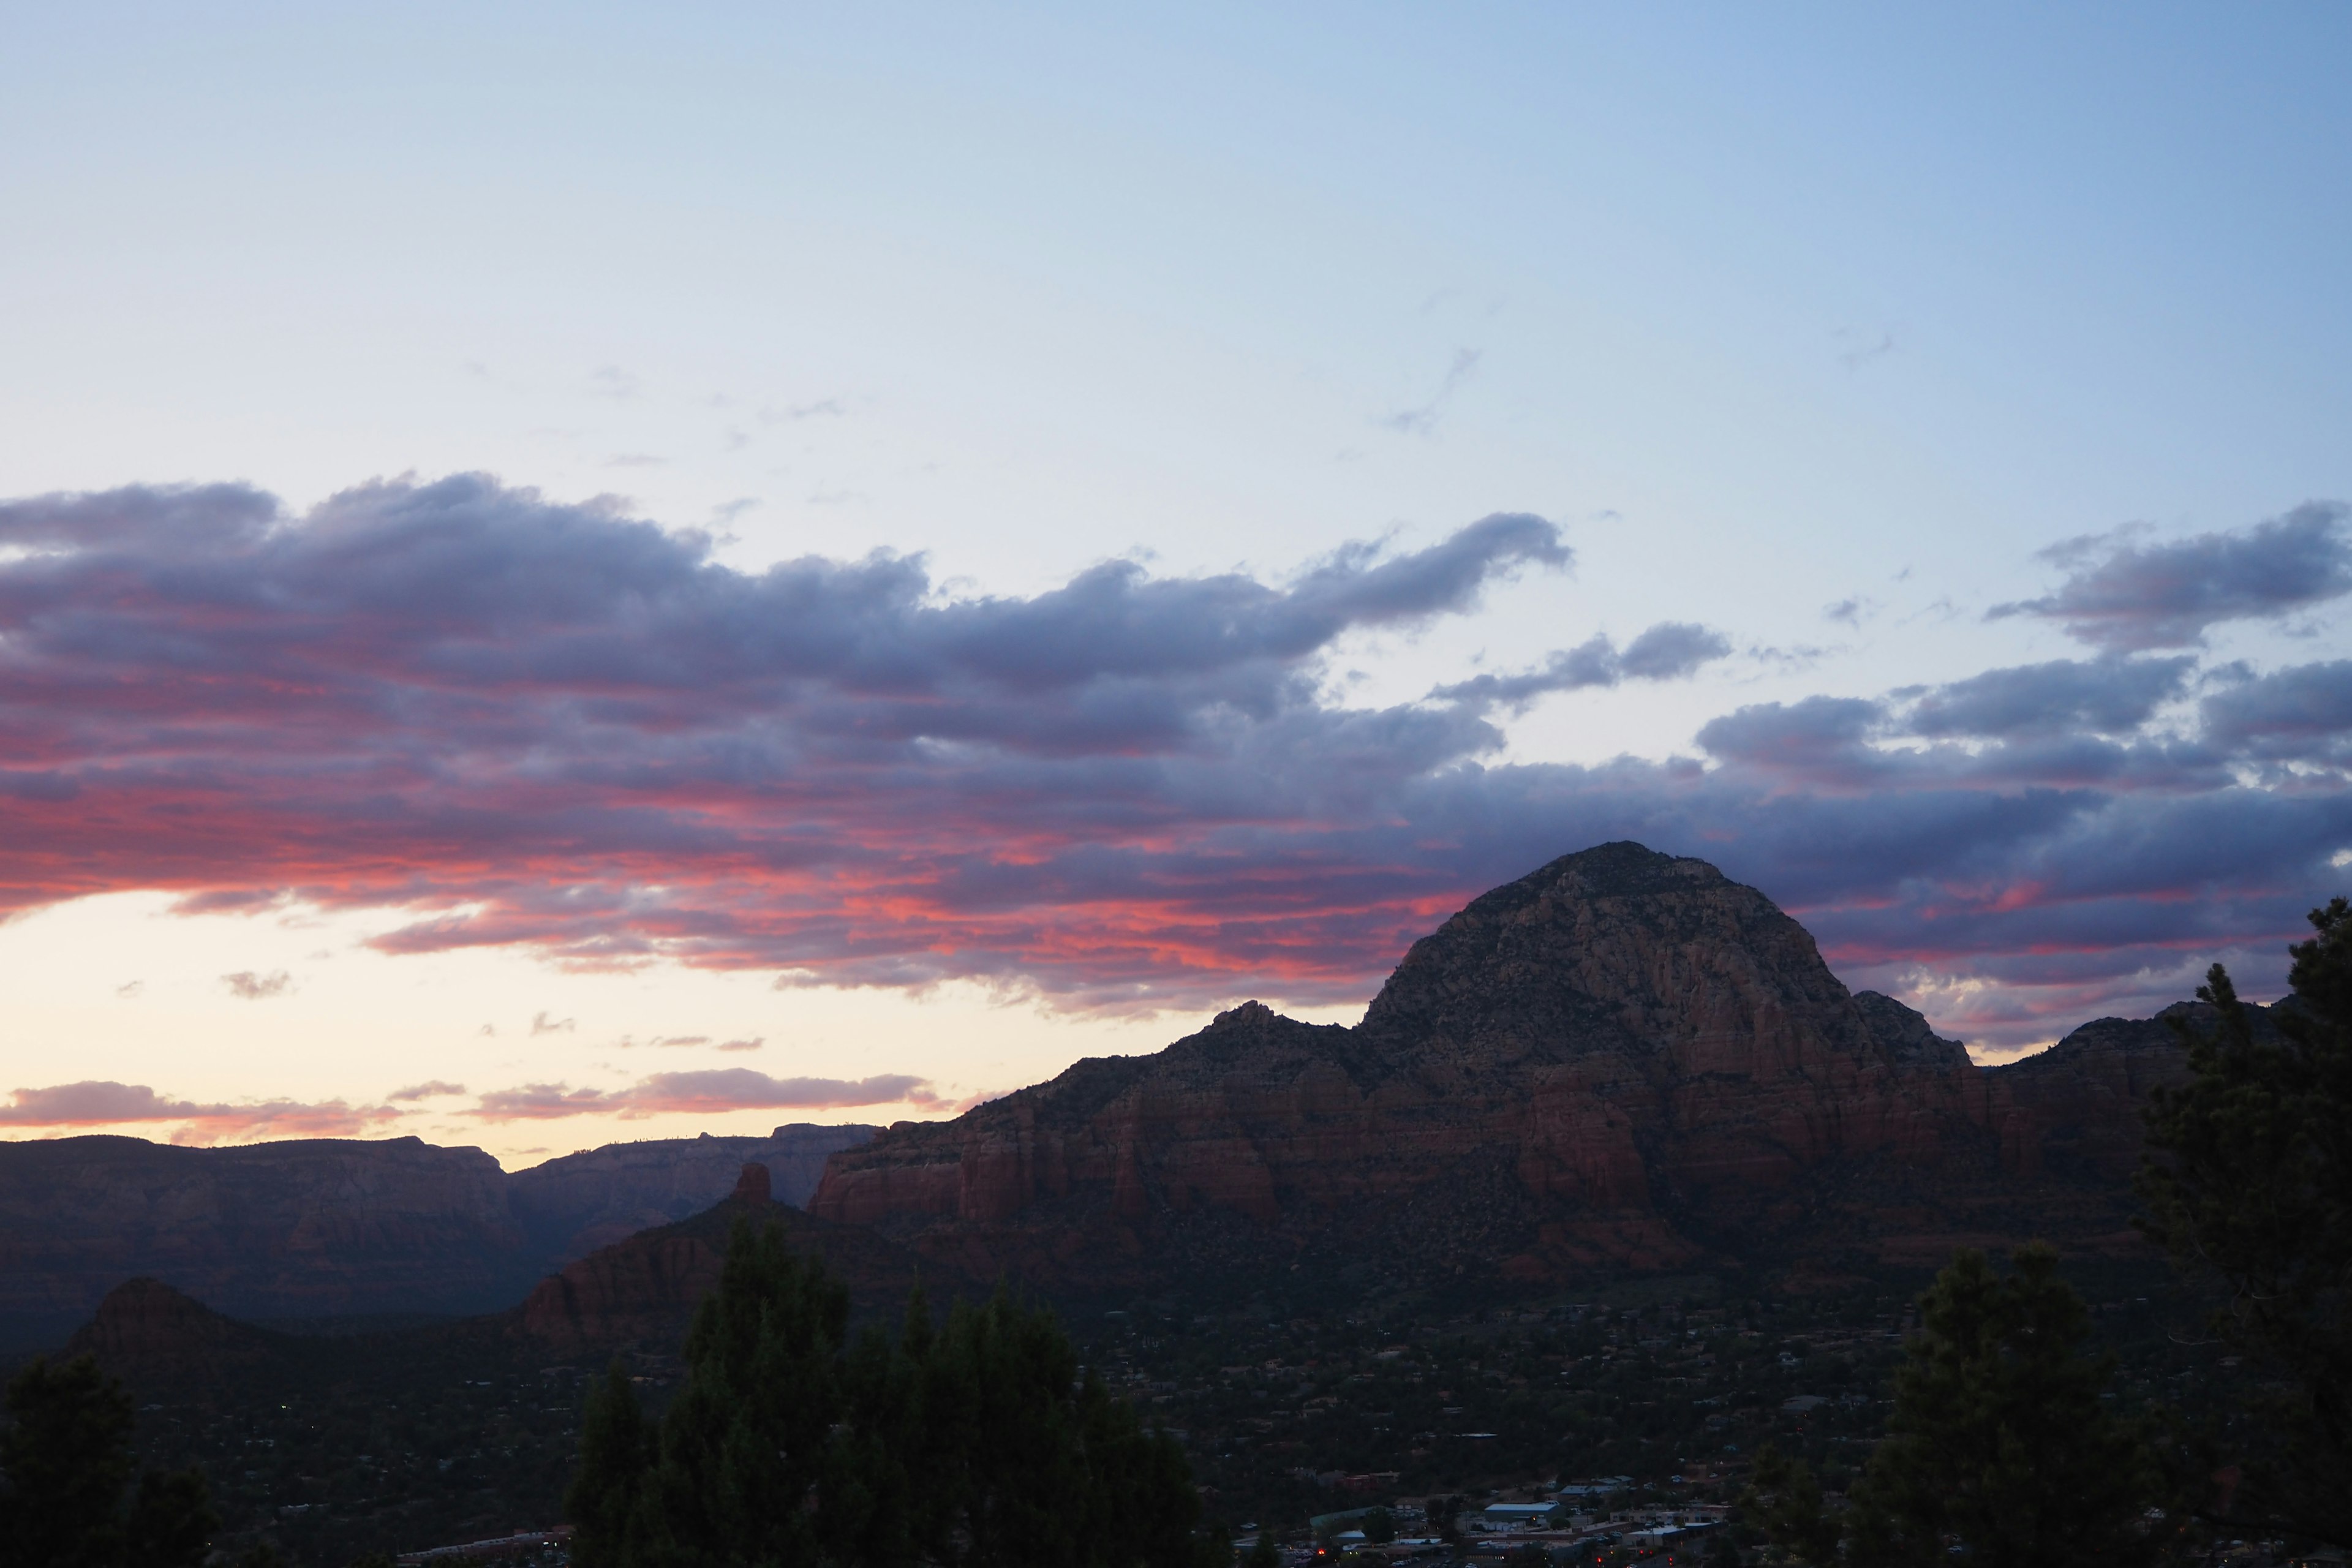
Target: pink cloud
[(556, 728), (102, 1103), (705, 1092)]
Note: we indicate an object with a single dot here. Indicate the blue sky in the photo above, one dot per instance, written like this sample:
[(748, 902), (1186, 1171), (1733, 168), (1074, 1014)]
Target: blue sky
[(1812, 328)]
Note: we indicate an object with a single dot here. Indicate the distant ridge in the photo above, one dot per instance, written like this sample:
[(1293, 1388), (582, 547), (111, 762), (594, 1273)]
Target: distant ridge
[(321, 1228)]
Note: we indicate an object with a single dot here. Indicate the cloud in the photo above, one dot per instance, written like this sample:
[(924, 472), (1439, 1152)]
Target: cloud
[(434, 1089), (104, 1103), (1667, 651), (1422, 419), (707, 1092), (2302, 712), (2126, 596), (251, 987), (2112, 695), (750, 1045), (560, 729), (546, 1023), (1851, 611)]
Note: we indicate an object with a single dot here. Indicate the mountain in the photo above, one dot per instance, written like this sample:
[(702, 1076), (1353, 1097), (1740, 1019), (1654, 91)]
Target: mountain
[(1624, 1060), (571, 1206), (642, 1291), (328, 1228)]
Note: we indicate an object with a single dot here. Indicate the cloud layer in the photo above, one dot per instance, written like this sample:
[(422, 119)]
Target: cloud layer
[(101, 1103), (556, 726)]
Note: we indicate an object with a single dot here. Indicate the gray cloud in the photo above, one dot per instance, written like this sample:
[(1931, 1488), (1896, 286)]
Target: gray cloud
[(434, 1090), (2301, 713), (251, 987), (1422, 419), (2113, 696), (2126, 596), (1667, 651)]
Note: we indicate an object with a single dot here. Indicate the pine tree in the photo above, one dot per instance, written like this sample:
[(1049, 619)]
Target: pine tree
[(2000, 1446), (65, 1460), (981, 1444), (1999, 1437), (616, 1452), (2248, 1182)]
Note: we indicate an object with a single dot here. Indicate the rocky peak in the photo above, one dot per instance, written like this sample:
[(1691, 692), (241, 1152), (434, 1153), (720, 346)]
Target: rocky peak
[(1619, 950), (1907, 1035), (752, 1187), (146, 1331)]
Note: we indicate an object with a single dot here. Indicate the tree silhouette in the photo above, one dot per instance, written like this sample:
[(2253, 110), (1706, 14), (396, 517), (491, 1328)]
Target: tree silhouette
[(2248, 1182), (2000, 1446), (66, 1497), (977, 1444)]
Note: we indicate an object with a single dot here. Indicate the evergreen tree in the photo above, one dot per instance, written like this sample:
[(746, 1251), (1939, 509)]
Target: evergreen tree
[(1784, 1500), (1999, 1437), (1264, 1552), (65, 1467), (616, 1451), (981, 1444), (1999, 1447), (2248, 1182)]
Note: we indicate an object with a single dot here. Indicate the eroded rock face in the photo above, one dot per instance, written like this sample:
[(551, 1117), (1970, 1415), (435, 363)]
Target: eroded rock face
[(338, 1227), (574, 1203), (309, 1228), (146, 1332), (643, 1291), (1656, 1054)]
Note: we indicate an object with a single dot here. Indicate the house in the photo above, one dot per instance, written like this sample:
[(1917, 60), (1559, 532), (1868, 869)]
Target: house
[(1513, 1516)]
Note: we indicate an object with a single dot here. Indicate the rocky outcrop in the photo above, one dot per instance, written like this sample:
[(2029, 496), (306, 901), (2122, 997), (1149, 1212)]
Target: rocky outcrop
[(309, 1227), (335, 1228), (150, 1335), (1656, 1053), (2075, 1108), (571, 1206), (641, 1292), (1625, 1060)]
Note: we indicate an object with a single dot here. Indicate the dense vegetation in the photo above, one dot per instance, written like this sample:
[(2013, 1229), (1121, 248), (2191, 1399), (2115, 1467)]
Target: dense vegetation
[(67, 1498), (978, 1445)]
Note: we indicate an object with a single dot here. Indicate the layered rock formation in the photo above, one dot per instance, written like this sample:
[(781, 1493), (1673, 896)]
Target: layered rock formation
[(153, 1336), (320, 1225), (571, 1205), (643, 1291), (332, 1227), (1623, 1060)]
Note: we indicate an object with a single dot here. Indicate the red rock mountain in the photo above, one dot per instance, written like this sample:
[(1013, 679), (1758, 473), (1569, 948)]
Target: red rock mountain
[(643, 1291), (329, 1227), (1622, 1060)]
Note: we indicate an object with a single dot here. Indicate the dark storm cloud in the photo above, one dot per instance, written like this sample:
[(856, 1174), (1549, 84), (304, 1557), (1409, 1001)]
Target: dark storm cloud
[(561, 728), (2127, 596)]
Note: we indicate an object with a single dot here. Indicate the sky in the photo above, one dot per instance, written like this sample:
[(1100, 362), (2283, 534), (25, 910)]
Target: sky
[(577, 574)]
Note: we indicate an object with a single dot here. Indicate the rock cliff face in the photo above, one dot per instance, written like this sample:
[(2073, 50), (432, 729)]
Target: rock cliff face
[(342, 1228), (1623, 1060), (570, 1206), (643, 1291), (150, 1335), (314, 1227)]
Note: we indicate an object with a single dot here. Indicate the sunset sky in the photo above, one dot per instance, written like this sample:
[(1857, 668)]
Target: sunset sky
[(574, 573)]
